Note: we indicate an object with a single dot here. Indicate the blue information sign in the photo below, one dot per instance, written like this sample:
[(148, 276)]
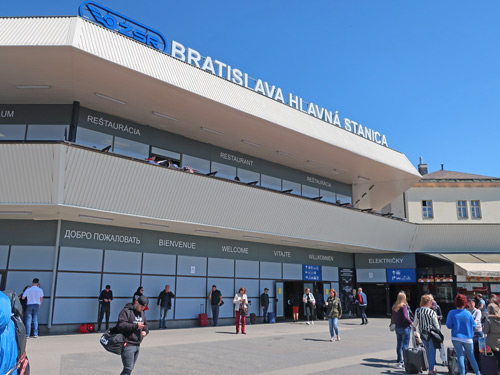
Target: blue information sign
[(311, 273), (402, 275)]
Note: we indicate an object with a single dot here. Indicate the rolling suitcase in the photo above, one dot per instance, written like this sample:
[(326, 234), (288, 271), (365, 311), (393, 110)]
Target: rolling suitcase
[(202, 318), (415, 359), (488, 364)]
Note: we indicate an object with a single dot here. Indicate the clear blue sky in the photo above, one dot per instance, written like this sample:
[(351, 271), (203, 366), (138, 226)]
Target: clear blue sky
[(426, 73)]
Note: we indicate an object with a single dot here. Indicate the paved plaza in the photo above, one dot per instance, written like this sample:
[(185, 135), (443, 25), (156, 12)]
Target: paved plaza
[(266, 349)]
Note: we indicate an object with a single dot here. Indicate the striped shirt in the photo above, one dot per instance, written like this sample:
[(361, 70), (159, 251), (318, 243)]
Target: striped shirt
[(425, 319)]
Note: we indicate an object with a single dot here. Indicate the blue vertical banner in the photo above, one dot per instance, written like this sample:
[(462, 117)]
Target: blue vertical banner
[(311, 273)]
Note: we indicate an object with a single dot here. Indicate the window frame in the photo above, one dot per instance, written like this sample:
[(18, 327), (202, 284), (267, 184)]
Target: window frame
[(480, 216), (431, 210), (462, 209)]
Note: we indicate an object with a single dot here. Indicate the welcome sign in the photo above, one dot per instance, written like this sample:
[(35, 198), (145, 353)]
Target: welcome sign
[(126, 26)]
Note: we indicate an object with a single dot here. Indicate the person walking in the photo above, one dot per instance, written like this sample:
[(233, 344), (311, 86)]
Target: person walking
[(34, 297), (264, 303), (240, 302), (333, 313), (363, 304), (492, 330), (309, 303), (295, 302), (164, 303), (426, 322), (462, 325), (133, 325), (478, 329), (401, 319), (105, 299), (353, 299), (215, 298)]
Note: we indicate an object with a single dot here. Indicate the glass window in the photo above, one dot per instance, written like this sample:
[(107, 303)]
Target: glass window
[(470, 289), (475, 209), (328, 196), (270, 182), (166, 153), (201, 165), (289, 185), (93, 139), (131, 148), (344, 198), (309, 191), (12, 132), (248, 176), (427, 210), (224, 170), (462, 209), (47, 132)]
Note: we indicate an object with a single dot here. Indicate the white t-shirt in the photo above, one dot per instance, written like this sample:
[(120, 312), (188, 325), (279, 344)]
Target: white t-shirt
[(33, 294)]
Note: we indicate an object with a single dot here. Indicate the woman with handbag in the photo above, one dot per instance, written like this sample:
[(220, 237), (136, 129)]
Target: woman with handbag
[(241, 308), (462, 325), (334, 313), (401, 324), (426, 321)]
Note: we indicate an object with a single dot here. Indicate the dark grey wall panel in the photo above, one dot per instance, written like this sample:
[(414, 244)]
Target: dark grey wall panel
[(17, 280), (122, 261), (191, 287), (158, 264), (192, 266), (71, 284), (122, 285), (270, 270), (80, 259), (247, 268), (32, 258), (220, 267)]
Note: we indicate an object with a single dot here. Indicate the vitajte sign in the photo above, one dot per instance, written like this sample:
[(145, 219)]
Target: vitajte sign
[(154, 39)]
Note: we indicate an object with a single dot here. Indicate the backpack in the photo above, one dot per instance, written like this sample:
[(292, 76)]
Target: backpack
[(17, 318)]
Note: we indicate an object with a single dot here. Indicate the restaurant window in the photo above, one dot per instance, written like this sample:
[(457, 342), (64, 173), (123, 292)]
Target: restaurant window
[(462, 209), (12, 132), (93, 139), (328, 196), (270, 182), (248, 176), (344, 198), (309, 191), (198, 164), (224, 170), (131, 148), (162, 154), (427, 212), (475, 209), (293, 186), (47, 132)]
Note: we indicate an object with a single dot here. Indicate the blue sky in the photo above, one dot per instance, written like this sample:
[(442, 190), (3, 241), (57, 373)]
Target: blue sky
[(426, 73)]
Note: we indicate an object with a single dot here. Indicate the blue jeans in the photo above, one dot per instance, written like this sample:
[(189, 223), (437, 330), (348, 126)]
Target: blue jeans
[(403, 341), (129, 357), (32, 314), (364, 319), (215, 314), (431, 353), (163, 316), (265, 312), (333, 326), (469, 351)]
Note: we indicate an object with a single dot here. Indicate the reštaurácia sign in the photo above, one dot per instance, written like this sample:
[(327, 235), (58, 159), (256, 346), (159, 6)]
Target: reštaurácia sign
[(126, 26)]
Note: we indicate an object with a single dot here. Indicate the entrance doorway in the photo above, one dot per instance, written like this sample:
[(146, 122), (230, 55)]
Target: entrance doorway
[(378, 302), (293, 293)]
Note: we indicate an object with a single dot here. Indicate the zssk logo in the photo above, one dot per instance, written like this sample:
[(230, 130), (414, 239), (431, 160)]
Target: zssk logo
[(115, 21)]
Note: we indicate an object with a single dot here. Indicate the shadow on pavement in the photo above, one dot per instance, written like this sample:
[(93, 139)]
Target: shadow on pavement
[(308, 339), (227, 333)]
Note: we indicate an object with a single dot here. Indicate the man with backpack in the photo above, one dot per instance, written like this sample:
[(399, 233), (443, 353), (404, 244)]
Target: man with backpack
[(133, 325)]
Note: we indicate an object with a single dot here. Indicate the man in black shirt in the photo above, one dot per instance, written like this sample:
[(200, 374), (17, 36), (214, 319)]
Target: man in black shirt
[(215, 298), (105, 299), (264, 302), (164, 303)]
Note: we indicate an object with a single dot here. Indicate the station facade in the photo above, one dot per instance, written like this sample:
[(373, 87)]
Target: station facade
[(129, 165)]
